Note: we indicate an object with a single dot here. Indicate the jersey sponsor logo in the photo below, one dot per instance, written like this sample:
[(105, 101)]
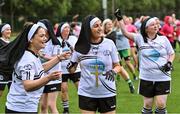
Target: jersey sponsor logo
[(96, 65), (167, 91), (113, 106), (152, 54), (54, 88)]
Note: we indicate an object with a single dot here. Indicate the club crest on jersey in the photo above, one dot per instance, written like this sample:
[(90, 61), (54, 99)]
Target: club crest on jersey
[(28, 67)]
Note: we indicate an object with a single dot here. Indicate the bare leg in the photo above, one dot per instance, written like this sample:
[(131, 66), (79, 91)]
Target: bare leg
[(52, 97), (126, 77), (44, 103), (160, 101), (64, 96), (148, 103)]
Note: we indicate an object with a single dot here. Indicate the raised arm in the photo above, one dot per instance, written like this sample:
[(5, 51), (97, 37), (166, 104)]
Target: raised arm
[(122, 25)]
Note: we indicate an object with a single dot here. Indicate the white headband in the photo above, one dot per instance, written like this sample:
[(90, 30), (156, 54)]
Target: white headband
[(42, 25), (64, 25), (93, 21), (32, 31), (5, 27), (150, 21)]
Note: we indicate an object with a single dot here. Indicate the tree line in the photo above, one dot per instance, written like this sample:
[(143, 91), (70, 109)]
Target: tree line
[(17, 12)]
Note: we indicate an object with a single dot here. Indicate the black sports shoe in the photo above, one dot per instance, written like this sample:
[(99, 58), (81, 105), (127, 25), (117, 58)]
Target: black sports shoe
[(131, 88)]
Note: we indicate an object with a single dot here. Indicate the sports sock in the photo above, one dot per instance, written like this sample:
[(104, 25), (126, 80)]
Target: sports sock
[(66, 106), (146, 111), (160, 111)]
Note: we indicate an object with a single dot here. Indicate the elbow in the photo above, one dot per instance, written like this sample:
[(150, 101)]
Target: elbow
[(28, 89), (28, 86)]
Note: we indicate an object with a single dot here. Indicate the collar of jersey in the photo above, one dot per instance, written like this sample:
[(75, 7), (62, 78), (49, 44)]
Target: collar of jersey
[(32, 53)]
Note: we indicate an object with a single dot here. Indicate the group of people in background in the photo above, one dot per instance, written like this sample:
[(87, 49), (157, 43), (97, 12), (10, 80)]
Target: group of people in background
[(91, 56)]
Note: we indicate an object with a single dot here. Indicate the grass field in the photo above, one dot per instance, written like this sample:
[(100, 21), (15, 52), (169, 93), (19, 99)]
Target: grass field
[(126, 102)]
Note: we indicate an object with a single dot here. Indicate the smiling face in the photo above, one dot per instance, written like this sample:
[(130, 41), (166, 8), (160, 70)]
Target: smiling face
[(39, 39), (65, 32), (152, 28), (96, 30), (6, 33), (108, 27)]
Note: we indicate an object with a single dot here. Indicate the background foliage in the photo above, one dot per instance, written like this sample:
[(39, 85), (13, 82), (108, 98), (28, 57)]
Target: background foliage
[(16, 12)]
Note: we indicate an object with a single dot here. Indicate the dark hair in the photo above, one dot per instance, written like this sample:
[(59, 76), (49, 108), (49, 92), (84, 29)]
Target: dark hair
[(143, 29), (83, 43), (49, 26)]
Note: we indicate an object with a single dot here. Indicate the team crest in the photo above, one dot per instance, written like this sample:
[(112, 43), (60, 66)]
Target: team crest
[(28, 67)]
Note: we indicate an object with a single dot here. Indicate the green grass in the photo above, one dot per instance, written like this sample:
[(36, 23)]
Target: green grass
[(126, 102)]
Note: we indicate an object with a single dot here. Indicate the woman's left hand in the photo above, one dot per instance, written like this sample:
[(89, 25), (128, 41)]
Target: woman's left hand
[(110, 75)]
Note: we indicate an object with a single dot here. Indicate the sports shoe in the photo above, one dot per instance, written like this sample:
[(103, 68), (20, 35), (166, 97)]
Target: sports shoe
[(135, 77), (131, 88)]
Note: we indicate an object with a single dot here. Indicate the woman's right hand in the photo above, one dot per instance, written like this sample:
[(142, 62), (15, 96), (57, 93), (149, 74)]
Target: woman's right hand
[(118, 14), (55, 75), (64, 55)]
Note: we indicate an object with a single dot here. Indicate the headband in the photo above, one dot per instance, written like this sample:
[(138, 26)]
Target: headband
[(64, 25), (5, 27), (150, 21), (32, 31), (42, 25), (93, 21)]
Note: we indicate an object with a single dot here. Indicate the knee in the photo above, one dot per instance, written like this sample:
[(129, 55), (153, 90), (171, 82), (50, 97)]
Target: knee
[(44, 107), (64, 89), (52, 106), (148, 106), (160, 104)]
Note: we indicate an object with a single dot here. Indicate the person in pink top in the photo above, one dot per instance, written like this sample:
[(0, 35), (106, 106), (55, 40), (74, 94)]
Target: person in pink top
[(178, 33), (168, 29)]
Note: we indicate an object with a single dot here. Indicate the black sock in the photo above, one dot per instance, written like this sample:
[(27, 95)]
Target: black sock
[(146, 111), (66, 106)]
